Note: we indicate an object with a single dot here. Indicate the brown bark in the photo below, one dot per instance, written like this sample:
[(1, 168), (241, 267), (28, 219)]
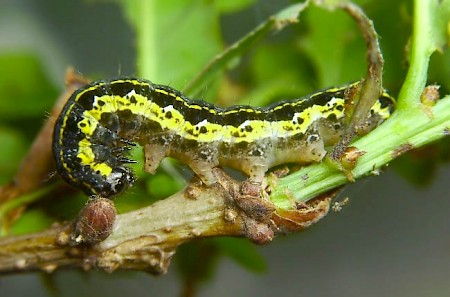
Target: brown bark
[(146, 239)]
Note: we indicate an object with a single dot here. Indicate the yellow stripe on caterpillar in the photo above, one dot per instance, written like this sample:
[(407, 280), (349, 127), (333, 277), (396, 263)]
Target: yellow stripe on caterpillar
[(100, 121)]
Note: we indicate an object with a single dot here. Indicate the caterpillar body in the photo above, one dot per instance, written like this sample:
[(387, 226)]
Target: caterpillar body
[(102, 120)]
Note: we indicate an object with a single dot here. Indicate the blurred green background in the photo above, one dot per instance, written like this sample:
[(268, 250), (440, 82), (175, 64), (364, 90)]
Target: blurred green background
[(392, 239)]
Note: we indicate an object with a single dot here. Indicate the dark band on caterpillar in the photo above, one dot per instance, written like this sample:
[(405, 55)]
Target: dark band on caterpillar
[(101, 121)]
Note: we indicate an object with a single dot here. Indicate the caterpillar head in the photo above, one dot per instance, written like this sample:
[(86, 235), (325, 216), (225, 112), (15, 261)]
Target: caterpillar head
[(95, 184), (119, 180)]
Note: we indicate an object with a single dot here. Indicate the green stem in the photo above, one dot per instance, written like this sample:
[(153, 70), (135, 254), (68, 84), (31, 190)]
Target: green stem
[(409, 127), (402, 131), (421, 50), (146, 31)]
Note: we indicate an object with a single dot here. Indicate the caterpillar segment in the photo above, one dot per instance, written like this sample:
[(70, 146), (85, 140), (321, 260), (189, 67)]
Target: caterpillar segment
[(101, 121)]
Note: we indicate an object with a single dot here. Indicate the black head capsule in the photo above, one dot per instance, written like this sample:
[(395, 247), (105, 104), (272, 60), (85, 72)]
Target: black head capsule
[(115, 183)]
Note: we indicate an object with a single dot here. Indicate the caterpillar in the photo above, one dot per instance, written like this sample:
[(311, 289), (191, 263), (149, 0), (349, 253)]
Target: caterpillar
[(101, 121)]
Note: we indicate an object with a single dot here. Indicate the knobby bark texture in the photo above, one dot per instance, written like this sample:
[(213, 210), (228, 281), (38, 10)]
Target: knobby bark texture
[(146, 239)]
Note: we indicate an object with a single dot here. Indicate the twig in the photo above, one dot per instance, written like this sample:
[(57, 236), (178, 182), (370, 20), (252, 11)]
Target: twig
[(409, 126), (371, 86), (146, 239)]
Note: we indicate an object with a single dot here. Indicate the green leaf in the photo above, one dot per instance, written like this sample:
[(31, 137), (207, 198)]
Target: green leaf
[(24, 88), (429, 35), (20, 201), (229, 6), (409, 125), (441, 24), (292, 77), (235, 51), (168, 51), (31, 221), (163, 185), (334, 46), (11, 152)]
